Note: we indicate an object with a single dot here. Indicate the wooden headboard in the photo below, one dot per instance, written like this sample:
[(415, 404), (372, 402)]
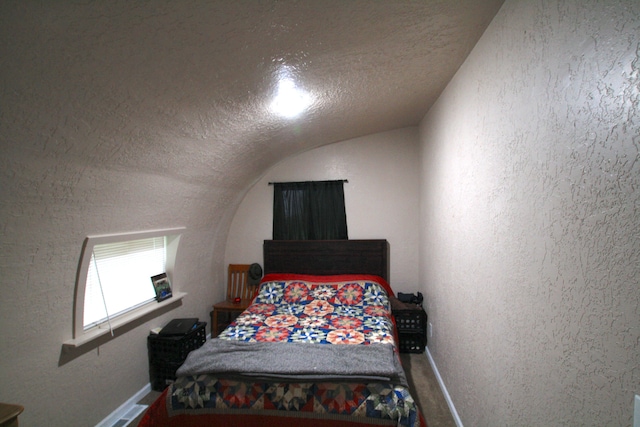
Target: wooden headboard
[(323, 257)]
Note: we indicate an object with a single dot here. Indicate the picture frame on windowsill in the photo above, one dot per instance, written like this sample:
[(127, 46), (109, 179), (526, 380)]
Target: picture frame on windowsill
[(162, 286)]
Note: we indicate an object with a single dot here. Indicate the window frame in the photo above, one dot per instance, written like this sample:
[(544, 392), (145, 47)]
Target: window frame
[(82, 336)]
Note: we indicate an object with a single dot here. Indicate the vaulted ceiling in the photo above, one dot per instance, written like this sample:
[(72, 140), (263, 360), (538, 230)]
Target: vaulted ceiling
[(186, 85)]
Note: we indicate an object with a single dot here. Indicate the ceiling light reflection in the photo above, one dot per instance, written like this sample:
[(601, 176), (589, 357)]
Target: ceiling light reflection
[(290, 100)]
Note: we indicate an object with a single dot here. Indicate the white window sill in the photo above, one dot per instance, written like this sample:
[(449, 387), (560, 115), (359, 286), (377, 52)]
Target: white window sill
[(95, 333)]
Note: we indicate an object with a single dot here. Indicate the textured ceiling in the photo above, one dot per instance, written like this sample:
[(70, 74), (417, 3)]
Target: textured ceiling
[(187, 84)]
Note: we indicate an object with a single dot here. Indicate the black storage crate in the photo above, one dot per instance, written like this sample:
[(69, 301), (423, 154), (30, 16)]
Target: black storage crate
[(411, 322), (174, 349), (162, 374), (167, 353), (412, 342)]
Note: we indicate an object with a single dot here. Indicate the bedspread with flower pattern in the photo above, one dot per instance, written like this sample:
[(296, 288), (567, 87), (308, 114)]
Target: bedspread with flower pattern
[(350, 312), (355, 312)]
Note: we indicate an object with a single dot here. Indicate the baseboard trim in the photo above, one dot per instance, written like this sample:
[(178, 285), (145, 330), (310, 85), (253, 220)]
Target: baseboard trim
[(452, 407), (129, 404), (125, 407)]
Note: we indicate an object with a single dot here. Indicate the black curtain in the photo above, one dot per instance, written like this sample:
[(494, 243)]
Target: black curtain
[(312, 210)]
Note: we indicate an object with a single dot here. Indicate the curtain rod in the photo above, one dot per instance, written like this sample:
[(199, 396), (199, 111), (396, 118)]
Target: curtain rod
[(301, 182)]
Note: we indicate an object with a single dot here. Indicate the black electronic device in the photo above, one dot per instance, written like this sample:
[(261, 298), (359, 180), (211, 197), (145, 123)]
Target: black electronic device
[(411, 298), (179, 327)]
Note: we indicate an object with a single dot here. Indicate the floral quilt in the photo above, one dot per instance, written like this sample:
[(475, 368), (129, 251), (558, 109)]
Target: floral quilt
[(354, 311), (348, 312)]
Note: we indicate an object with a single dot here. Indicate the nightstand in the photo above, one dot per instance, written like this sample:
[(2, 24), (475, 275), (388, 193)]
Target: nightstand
[(411, 324), (228, 309), (242, 283)]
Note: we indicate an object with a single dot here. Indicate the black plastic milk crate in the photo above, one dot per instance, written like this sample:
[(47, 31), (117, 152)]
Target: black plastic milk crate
[(412, 320), (162, 374), (174, 349), (412, 342)]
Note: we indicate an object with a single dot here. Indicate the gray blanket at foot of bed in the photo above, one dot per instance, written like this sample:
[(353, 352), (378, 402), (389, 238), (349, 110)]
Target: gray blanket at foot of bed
[(293, 360)]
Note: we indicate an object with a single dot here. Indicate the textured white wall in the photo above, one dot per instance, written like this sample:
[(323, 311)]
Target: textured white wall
[(80, 157), (530, 241), (45, 219), (381, 198), (49, 205)]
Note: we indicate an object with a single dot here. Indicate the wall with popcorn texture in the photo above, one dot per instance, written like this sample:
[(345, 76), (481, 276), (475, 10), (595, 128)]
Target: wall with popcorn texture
[(530, 218), (128, 116), (380, 178)]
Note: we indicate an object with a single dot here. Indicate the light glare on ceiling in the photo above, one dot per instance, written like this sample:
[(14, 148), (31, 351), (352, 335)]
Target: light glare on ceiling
[(290, 100)]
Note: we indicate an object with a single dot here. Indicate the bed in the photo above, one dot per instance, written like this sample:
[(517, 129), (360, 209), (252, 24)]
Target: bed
[(317, 347)]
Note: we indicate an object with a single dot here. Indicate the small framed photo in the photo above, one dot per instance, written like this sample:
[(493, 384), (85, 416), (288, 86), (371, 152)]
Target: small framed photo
[(162, 286)]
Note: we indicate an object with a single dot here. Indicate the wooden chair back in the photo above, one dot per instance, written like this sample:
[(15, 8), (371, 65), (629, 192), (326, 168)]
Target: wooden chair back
[(238, 283)]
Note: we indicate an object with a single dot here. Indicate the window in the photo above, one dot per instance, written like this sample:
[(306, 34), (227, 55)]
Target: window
[(119, 278), (312, 210), (114, 279)]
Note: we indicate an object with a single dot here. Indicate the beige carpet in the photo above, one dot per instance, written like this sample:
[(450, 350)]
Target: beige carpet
[(426, 390), (422, 382)]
